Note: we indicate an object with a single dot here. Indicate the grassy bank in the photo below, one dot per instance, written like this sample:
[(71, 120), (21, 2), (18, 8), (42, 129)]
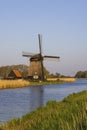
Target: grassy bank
[(69, 114), (45, 82), (5, 84)]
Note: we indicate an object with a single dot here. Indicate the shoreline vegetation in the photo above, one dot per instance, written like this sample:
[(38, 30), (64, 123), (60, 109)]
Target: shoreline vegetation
[(6, 84), (68, 114), (62, 79)]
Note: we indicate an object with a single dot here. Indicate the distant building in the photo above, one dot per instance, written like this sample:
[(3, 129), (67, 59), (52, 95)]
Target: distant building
[(14, 74)]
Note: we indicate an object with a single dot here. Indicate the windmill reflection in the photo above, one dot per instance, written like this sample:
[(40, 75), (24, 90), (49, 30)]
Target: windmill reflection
[(36, 97)]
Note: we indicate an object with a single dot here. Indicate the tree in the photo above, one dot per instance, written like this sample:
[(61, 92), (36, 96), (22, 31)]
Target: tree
[(5, 70), (81, 74)]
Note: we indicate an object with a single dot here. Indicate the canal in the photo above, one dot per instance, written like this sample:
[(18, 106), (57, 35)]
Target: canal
[(17, 102)]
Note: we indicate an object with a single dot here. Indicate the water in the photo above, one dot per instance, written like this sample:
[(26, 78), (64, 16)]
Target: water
[(17, 102)]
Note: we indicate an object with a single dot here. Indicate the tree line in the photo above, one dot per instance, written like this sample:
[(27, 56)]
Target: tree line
[(81, 74), (23, 69), (5, 70)]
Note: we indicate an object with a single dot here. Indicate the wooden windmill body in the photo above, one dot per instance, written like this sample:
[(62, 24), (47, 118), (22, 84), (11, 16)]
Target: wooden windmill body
[(36, 69)]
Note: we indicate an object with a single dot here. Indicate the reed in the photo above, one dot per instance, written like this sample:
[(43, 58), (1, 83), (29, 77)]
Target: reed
[(5, 84), (62, 79)]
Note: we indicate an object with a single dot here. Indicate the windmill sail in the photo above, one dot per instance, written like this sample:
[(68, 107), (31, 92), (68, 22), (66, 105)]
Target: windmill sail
[(51, 58), (27, 54), (40, 49), (40, 43)]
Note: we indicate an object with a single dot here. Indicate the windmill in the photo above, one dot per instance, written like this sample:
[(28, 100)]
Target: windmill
[(36, 68)]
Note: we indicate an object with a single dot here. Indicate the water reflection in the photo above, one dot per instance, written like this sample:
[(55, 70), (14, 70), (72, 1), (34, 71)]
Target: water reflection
[(36, 97)]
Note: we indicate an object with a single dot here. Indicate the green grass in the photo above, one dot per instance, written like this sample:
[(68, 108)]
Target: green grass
[(69, 114), (37, 83)]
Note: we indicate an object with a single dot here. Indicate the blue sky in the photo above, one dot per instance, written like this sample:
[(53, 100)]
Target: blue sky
[(62, 23)]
